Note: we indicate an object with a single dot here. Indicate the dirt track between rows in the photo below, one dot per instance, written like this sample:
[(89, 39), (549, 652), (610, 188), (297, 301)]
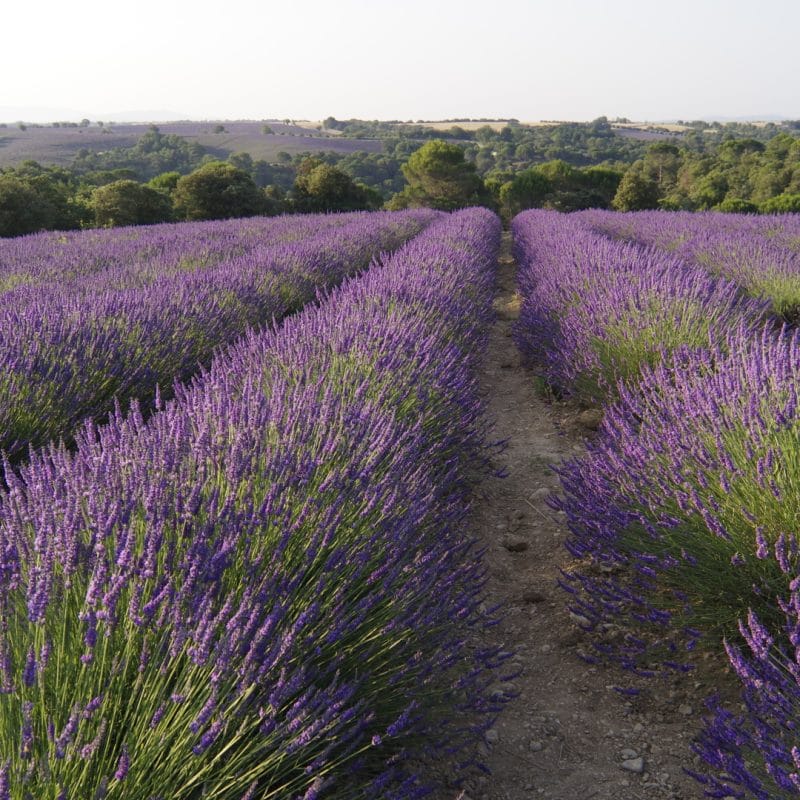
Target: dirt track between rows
[(567, 732)]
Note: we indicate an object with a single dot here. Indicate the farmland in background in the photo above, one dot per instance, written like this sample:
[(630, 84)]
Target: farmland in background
[(49, 174), (49, 145)]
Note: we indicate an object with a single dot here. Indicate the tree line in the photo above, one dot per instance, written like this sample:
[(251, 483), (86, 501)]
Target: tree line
[(741, 175), (167, 178), (35, 198)]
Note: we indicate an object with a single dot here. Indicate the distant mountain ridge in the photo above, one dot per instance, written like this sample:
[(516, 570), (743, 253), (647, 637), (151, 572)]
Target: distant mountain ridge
[(39, 114), (746, 118), (145, 116)]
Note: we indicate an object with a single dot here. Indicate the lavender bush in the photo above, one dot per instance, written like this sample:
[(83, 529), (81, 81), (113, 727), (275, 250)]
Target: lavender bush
[(690, 477), (263, 591), (684, 517), (760, 254), (596, 312), (683, 513), (131, 257), (68, 349), (756, 753)]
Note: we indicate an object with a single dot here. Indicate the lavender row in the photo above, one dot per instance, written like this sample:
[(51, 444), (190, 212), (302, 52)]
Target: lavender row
[(131, 257), (687, 503), (263, 590), (670, 230), (760, 254), (683, 512), (596, 311), (67, 356)]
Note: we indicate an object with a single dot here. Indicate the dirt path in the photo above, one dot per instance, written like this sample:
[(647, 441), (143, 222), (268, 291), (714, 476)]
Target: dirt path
[(568, 735)]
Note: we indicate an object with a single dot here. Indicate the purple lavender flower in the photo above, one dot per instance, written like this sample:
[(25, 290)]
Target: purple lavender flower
[(29, 673), (123, 765), (5, 785)]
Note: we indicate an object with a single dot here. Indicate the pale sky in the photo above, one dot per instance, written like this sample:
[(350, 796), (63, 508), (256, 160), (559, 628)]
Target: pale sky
[(410, 59)]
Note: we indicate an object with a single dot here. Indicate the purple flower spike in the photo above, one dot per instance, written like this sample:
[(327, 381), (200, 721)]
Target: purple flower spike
[(123, 765)]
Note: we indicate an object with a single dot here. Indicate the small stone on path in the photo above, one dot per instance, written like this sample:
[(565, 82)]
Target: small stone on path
[(515, 544), (634, 765), (501, 691)]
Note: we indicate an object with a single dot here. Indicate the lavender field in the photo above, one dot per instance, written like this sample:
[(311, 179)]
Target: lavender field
[(261, 589), (760, 254), (683, 513), (94, 318), (241, 459)]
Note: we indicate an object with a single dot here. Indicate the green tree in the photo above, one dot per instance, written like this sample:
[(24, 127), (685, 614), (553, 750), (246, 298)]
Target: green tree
[(735, 205), (636, 191), (528, 189), (34, 198), (218, 191), (242, 160), (525, 151), (165, 182), (485, 160), (129, 203), (438, 176), (486, 134), (661, 164), (100, 177), (21, 209), (781, 204), (709, 190), (326, 188)]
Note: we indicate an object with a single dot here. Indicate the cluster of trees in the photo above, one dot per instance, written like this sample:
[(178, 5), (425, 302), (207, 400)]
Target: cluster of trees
[(321, 187), (153, 153), (565, 167), (558, 185), (511, 147), (500, 153), (34, 198), (744, 175), (438, 175)]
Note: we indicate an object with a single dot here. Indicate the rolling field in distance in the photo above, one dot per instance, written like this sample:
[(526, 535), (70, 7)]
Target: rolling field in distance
[(49, 145)]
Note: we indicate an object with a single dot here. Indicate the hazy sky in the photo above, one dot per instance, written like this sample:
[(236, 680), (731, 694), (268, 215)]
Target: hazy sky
[(410, 59)]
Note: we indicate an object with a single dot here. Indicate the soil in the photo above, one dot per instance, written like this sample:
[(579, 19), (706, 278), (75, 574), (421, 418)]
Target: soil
[(567, 733)]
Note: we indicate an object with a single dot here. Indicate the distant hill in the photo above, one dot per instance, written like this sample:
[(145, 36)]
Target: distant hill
[(59, 145), (753, 118), (44, 115), (143, 116)]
